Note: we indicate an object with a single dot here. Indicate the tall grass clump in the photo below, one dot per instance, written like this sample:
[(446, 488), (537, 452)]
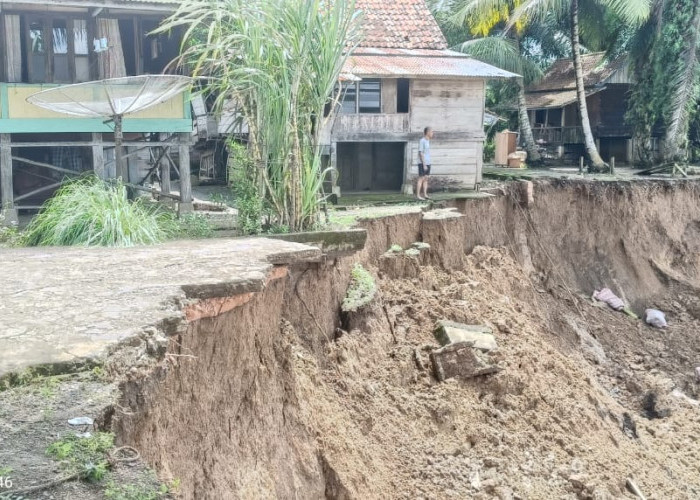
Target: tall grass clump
[(92, 212), (279, 62)]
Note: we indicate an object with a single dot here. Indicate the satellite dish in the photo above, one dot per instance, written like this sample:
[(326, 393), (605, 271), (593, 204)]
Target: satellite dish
[(112, 99)]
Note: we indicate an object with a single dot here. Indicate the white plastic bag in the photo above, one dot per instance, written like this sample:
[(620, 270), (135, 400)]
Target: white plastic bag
[(656, 318)]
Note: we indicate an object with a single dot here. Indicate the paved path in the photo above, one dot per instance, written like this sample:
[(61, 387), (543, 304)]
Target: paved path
[(59, 305)]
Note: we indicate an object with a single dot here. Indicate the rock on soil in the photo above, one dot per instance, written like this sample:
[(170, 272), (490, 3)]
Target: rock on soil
[(549, 425)]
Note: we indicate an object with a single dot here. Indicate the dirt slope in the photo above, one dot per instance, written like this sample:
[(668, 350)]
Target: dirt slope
[(548, 426)]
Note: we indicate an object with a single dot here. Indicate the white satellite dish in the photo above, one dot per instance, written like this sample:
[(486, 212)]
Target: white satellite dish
[(111, 100)]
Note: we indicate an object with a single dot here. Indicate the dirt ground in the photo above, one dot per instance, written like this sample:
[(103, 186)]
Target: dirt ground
[(550, 425), (283, 397)]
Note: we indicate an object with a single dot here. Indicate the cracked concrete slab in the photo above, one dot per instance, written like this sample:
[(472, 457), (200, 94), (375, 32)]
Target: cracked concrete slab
[(68, 305)]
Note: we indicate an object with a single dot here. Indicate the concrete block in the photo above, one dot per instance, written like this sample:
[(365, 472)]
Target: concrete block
[(461, 361), (478, 336)]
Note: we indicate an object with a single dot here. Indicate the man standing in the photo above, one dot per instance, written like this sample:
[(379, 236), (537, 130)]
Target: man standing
[(424, 164)]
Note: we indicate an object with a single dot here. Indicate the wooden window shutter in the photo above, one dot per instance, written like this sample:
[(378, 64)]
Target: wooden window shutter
[(13, 51)]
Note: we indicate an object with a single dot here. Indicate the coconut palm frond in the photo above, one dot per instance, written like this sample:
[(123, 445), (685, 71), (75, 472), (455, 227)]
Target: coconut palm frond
[(539, 10), (502, 53), (685, 85), (631, 11)]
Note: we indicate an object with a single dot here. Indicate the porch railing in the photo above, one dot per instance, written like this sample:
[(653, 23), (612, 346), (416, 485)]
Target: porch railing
[(558, 135)]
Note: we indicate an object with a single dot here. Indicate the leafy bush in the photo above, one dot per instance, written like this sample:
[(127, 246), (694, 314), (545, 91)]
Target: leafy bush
[(242, 177), (92, 212), (361, 291), (85, 456), (194, 226)]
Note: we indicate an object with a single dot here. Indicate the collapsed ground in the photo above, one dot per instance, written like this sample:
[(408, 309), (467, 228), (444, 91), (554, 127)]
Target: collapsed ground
[(283, 397)]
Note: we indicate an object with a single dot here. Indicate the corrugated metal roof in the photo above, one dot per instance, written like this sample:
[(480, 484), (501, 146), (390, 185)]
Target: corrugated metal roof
[(555, 99), (404, 24), (405, 63)]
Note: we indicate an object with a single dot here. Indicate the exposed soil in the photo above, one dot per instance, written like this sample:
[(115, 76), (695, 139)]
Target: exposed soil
[(283, 397), (548, 426)]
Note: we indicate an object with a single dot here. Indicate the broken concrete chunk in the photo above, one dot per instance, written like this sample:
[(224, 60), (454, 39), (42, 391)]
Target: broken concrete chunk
[(478, 336), (421, 246), (80, 421), (462, 361)]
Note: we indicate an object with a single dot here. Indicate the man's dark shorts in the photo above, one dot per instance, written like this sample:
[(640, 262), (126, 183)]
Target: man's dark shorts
[(423, 170)]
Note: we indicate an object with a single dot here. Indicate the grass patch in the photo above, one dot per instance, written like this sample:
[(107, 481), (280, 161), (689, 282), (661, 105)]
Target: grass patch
[(92, 212), (146, 487), (9, 235), (361, 291), (193, 226), (86, 457)]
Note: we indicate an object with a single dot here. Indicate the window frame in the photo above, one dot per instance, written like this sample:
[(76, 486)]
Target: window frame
[(357, 93), (47, 23)]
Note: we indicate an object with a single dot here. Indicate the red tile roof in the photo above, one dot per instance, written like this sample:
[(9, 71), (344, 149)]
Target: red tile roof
[(400, 24)]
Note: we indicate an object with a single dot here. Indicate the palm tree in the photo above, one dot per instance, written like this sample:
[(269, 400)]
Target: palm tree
[(505, 53), (630, 11), (684, 93)]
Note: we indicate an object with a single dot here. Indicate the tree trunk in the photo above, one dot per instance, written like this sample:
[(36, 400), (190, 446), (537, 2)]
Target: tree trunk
[(676, 136), (596, 162), (533, 155)]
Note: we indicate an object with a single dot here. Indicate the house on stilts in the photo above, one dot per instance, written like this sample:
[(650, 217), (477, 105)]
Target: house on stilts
[(553, 109), (44, 44)]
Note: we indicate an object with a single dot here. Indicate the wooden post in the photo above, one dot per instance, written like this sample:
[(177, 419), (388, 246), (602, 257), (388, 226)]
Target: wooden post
[(98, 156), (580, 165), (7, 200), (165, 175), (612, 165), (185, 182)]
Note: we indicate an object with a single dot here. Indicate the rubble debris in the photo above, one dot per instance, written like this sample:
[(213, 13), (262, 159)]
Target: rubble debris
[(478, 336), (628, 426), (649, 404), (461, 360), (655, 318), (697, 373), (606, 295)]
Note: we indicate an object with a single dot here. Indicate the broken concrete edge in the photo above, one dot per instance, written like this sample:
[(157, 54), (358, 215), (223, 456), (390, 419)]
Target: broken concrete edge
[(329, 243), (197, 301), (442, 214)]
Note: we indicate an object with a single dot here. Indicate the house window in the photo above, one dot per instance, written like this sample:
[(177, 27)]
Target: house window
[(402, 95), (56, 50), (362, 97)]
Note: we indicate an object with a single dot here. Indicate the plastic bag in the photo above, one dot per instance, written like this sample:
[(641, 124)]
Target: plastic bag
[(655, 318)]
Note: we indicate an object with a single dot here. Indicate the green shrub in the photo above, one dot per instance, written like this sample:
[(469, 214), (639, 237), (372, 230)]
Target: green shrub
[(247, 199), (194, 226), (361, 291), (92, 212), (84, 456)]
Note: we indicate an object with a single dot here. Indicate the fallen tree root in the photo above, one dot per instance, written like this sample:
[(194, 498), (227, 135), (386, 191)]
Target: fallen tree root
[(135, 455)]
